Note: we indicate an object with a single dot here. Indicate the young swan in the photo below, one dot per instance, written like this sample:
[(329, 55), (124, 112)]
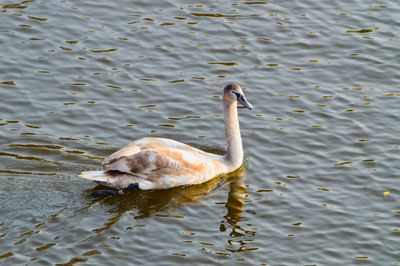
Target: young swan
[(159, 163)]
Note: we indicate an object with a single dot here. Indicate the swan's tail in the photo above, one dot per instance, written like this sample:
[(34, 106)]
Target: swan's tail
[(102, 178), (111, 179), (95, 176)]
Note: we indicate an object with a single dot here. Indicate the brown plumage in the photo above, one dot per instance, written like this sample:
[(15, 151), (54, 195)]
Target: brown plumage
[(158, 163)]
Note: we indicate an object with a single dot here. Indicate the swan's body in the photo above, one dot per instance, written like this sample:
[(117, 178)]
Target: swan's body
[(159, 163)]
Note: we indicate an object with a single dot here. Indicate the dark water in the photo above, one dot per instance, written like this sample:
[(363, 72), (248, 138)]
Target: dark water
[(79, 79)]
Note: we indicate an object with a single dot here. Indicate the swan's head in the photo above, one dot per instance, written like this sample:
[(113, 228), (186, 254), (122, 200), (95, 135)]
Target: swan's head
[(233, 92)]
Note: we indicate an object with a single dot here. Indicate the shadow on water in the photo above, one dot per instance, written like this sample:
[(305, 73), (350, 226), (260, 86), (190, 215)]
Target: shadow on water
[(148, 203)]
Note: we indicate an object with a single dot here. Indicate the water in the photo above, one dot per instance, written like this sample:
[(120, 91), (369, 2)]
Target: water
[(321, 181)]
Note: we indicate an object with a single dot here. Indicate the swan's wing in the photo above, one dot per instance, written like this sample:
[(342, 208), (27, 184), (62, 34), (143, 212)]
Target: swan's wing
[(149, 143), (149, 160), (165, 167), (128, 150)]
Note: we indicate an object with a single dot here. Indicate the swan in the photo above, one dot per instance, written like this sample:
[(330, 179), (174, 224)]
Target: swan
[(160, 163)]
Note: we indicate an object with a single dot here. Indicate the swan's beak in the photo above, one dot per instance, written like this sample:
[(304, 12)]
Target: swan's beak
[(244, 101)]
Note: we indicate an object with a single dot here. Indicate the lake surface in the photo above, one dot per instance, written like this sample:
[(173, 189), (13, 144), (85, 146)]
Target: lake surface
[(320, 185)]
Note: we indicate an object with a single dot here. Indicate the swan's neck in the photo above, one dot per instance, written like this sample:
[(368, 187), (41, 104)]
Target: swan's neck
[(234, 155)]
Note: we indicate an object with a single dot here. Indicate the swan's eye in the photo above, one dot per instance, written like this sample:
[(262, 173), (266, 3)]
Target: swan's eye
[(237, 94)]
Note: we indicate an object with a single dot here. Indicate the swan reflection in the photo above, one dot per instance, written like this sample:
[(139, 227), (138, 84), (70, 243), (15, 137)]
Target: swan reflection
[(143, 204), (240, 237)]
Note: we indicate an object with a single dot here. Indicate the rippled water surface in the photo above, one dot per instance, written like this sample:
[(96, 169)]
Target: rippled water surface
[(79, 79)]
